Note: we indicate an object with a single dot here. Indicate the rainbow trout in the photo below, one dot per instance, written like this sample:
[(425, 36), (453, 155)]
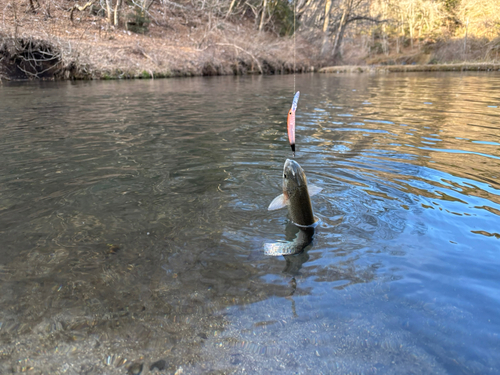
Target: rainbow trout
[(296, 196)]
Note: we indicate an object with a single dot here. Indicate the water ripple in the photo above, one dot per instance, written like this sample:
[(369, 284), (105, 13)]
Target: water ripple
[(133, 225)]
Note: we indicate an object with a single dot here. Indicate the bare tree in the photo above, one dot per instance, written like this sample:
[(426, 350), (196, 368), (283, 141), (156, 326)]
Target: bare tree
[(117, 7), (109, 11), (347, 6), (326, 22), (352, 11), (263, 14)]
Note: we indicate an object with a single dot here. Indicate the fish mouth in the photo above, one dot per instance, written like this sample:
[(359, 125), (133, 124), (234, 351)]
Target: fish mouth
[(291, 166)]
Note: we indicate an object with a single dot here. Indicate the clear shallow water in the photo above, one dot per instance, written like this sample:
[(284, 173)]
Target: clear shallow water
[(133, 217)]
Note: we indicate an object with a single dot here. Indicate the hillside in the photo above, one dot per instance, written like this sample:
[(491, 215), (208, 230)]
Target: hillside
[(46, 43), (102, 39)]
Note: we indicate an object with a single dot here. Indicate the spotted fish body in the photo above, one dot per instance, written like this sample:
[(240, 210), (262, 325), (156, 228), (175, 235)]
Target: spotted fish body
[(290, 122), (296, 195)]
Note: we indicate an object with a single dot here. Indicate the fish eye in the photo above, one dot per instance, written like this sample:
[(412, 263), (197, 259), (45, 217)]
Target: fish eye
[(284, 175)]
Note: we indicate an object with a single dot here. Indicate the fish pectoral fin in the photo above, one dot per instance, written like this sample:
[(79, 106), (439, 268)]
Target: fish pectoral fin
[(313, 190), (277, 203)]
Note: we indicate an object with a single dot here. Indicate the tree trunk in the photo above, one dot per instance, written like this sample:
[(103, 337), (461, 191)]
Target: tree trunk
[(109, 10), (326, 22), (402, 32), (117, 14), (465, 39), (411, 24), (263, 15), (340, 33)]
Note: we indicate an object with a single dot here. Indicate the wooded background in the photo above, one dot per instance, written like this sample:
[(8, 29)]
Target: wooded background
[(348, 29), (130, 38)]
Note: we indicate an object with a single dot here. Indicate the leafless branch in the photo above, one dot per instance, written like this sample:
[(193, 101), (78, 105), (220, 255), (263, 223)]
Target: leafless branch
[(363, 18), (241, 49), (80, 8)]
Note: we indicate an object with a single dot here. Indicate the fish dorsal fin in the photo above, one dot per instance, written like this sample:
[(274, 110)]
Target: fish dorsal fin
[(313, 190), (277, 203)]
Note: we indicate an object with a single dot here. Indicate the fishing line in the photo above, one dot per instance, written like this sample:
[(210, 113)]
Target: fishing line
[(294, 16), (290, 121)]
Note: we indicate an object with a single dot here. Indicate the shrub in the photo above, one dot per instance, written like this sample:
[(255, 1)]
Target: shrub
[(138, 22)]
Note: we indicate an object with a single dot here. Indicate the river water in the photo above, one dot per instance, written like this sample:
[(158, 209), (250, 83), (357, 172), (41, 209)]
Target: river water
[(133, 218)]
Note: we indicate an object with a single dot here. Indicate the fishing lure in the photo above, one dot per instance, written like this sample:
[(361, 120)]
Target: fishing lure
[(290, 122)]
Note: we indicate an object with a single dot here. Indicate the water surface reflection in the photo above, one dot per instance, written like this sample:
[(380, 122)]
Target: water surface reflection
[(133, 217)]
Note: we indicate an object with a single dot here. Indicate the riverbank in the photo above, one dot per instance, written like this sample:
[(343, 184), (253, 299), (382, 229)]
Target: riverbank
[(50, 45), (485, 67), (55, 41)]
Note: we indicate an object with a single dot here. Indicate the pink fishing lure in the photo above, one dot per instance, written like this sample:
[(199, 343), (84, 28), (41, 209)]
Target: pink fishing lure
[(290, 122)]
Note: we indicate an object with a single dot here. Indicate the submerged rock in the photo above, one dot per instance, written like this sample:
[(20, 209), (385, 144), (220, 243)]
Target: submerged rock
[(135, 369), (160, 365)]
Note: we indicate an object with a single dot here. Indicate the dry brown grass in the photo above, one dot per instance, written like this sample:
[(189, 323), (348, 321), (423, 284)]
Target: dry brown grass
[(443, 51), (178, 43), (472, 49)]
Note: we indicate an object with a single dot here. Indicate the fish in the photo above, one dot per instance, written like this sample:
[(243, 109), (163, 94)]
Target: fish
[(296, 195), (303, 238), (290, 122)]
